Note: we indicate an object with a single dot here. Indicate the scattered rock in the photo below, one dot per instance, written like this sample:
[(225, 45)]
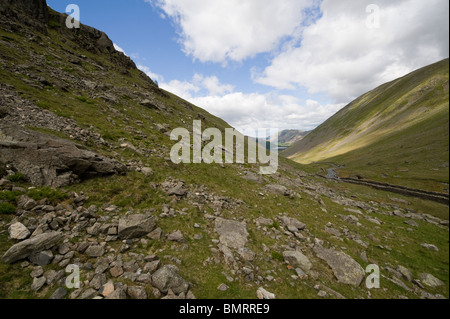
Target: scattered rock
[(18, 231), (430, 280), (292, 224), (222, 287), (26, 203), (405, 272), (261, 293), (246, 254), (42, 258), (137, 292), (156, 234), (31, 246), (60, 293), (278, 189), (136, 226), (107, 289), (38, 283), (264, 221), (147, 171), (48, 160), (232, 233), (297, 260), (116, 271), (95, 251), (167, 278), (430, 247), (345, 268), (176, 236)]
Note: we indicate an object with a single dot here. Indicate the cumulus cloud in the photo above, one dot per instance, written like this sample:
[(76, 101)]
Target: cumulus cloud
[(118, 48), (248, 112), (325, 46), (233, 30), (340, 55), (150, 74)]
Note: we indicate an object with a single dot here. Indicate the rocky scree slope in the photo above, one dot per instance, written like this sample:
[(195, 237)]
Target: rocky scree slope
[(148, 232)]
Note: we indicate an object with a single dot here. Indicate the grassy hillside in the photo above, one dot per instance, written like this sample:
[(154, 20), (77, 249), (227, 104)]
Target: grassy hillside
[(397, 133), (63, 72)]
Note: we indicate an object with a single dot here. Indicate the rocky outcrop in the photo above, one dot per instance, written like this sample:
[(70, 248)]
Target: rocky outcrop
[(31, 246), (35, 8), (14, 13), (51, 161)]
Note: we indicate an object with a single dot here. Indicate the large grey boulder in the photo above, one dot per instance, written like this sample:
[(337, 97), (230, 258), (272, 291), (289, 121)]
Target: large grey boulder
[(166, 278), (32, 246), (136, 226), (297, 260), (51, 161), (232, 233), (345, 268)]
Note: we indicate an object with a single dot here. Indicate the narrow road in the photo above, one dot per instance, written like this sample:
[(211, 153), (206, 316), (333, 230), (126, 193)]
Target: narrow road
[(418, 193)]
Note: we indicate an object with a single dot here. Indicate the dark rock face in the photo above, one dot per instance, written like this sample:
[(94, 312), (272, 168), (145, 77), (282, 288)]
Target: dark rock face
[(51, 161), (35, 8)]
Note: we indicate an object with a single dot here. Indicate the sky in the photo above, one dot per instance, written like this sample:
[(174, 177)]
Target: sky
[(285, 64)]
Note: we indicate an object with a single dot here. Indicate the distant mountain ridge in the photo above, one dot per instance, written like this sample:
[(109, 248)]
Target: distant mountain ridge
[(289, 137)]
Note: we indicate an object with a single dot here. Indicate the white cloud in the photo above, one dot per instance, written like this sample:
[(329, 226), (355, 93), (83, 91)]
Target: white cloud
[(339, 55), (150, 74), (118, 48), (247, 112), (233, 30)]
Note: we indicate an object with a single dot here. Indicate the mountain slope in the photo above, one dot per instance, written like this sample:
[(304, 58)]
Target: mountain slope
[(397, 133), (289, 137), (159, 225)]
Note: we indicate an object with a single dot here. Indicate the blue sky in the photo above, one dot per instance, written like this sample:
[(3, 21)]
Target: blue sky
[(270, 63)]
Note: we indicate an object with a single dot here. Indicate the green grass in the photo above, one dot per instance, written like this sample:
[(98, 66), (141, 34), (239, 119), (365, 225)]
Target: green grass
[(137, 193), (397, 133), (53, 195), (7, 209), (17, 177)]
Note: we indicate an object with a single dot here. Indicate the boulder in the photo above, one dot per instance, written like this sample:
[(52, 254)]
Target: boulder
[(277, 189), (32, 246), (42, 258), (176, 236), (292, 224), (137, 292), (95, 250), (136, 226), (166, 278), (18, 231), (261, 293), (345, 268), (26, 203), (264, 221), (430, 247), (430, 280), (51, 161), (232, 233), (297, 260)]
